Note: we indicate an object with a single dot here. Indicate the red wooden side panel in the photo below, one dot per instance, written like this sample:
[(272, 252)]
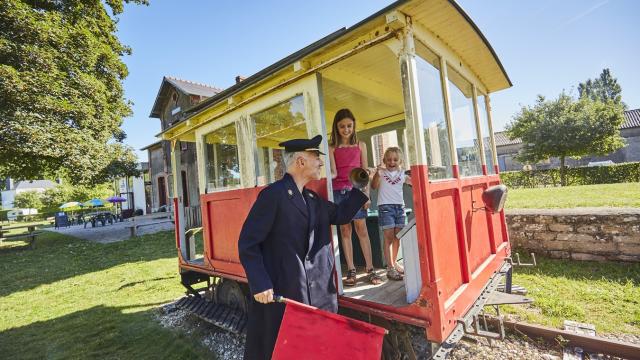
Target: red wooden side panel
[(476, 227), (462, 247), (444, 241), (223, 214)]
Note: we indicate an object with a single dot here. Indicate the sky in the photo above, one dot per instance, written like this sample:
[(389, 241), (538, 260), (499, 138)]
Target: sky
[(545, 46)]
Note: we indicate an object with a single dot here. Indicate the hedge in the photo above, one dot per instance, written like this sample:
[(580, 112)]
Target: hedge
[(620, 173)]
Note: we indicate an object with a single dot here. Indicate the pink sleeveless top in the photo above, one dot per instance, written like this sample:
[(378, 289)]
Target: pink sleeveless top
[(346, 158)]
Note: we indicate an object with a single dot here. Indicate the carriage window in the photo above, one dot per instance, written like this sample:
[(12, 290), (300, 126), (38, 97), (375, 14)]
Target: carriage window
[(273, 126), (464, 125), (222, 165), (486, 134), (436, 133)]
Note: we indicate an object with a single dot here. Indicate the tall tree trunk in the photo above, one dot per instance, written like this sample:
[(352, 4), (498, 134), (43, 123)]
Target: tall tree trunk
[(563, 180)]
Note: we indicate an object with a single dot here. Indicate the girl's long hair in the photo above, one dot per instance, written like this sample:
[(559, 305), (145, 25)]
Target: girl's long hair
[(335, 135)]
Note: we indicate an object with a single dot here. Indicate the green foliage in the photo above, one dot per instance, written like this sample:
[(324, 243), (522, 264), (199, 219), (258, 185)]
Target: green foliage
[(565, 127), (603, 293), (619, 173), (61, 95), (28, 200), (53, 198), (124, 163), (604, 88)]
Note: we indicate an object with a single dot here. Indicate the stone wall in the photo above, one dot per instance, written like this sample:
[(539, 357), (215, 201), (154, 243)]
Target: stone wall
[(579, 234)]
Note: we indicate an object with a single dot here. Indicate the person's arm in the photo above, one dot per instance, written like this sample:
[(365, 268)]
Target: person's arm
[(363, 155), (375, 182), (407, 180), (364, 164), (254, 232), (344, 212), (332, 162)]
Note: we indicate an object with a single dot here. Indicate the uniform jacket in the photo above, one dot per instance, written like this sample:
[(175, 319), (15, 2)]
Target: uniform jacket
[(285, 245)]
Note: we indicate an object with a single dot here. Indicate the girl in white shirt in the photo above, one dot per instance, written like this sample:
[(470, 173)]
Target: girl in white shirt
[(389, 180)]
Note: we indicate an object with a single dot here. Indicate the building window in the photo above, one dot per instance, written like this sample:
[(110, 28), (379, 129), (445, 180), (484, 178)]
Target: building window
[(222, 164), (464, 124), (272, 126), (162, 192), (436, 132)]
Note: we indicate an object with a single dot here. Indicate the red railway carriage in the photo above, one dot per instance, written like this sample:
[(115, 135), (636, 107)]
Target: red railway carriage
[(417, 75)]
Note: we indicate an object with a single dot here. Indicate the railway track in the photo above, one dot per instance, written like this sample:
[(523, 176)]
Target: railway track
[(592, 344)]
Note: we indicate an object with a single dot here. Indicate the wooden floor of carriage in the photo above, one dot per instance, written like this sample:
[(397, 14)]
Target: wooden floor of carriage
[(390, 292)]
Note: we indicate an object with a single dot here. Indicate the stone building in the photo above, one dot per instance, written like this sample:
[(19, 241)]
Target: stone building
[(175, 96), (507, 149)]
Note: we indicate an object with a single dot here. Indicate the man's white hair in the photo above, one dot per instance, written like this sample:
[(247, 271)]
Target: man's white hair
[(290, 157)]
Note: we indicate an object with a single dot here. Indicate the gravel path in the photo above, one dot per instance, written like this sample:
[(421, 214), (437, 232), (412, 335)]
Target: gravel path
[(513, 347)]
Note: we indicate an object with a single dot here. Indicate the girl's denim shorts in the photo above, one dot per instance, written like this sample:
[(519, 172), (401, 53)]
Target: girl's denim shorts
[(340, 195), (391, 216)]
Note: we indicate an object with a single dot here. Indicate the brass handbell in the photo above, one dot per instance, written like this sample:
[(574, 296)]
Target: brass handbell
[(359, 178)]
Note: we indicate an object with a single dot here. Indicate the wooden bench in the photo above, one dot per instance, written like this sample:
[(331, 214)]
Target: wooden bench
[(134, 227), (30, 235)]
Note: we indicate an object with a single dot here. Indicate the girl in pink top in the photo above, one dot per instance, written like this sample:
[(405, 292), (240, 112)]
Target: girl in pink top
[(346, 153)]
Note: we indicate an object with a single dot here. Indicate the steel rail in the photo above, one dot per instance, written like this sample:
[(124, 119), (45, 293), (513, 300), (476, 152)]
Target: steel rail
[(593, 343)]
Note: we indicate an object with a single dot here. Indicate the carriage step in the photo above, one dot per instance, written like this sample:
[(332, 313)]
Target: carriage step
[(222, 316)]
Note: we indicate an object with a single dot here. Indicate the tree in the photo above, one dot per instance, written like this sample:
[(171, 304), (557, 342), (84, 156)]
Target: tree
[(565, 127), (28, 200), (603, 88), (61, 95), (124, 163)]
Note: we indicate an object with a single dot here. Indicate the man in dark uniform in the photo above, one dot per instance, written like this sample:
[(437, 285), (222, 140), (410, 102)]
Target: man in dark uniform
[(285, 246)]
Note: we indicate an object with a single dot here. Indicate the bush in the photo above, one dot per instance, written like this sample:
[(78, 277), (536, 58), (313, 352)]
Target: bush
[(620, 173), (28, 200)]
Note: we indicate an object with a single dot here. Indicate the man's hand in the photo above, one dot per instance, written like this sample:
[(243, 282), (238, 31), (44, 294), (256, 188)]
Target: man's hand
[(264, 297)]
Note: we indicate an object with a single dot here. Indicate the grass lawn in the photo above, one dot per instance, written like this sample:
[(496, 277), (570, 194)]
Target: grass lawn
[(613, 195), (73, 299), (605, 294)]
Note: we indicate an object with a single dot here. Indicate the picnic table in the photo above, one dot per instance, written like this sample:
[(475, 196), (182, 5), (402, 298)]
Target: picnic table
[(101, 217), (31, 234)]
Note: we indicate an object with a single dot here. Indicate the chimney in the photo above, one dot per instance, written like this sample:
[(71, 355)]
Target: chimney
[(9, 183), (239, 78)]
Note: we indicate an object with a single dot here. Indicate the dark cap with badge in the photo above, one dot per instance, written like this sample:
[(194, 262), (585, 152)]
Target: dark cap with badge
[(294, 145)]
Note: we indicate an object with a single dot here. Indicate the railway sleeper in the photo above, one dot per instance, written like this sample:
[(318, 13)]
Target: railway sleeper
[(223, 316)]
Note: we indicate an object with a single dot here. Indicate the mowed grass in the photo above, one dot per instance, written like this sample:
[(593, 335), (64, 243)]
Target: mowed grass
[(73, 299), (604, 195), (606, 294)]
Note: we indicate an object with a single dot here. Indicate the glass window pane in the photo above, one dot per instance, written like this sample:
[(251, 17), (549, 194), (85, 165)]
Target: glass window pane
[(222, 165), (436, 133), (486, 139), (272, 126), (464, 125)]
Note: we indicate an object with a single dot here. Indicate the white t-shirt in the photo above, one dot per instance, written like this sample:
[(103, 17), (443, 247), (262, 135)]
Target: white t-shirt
[(390, 189)]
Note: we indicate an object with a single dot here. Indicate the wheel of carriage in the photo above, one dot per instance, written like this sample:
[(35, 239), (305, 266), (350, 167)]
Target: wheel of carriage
[(230, 293)]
